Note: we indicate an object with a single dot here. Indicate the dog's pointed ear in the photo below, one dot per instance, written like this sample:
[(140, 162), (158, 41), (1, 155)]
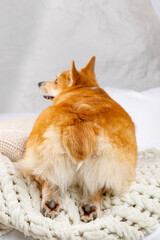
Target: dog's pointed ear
[(90, 65), (73, 74)]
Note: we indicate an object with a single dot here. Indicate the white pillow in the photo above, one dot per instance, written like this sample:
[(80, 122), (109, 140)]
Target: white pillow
[(144, 108), (13, 136)]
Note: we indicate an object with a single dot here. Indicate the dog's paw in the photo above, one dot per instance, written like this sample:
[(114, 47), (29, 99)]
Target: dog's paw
[(88, 212), (50, 208)]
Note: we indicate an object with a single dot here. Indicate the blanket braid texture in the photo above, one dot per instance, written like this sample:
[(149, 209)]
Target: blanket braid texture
[(130, 216)]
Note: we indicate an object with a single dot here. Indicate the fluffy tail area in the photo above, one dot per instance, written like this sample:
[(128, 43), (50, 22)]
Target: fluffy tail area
[(79, 140)]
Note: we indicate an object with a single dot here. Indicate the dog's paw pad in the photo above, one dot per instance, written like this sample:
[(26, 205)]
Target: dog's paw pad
[(51, 204), (88, 212), (43, 210), (50, 208), (88, 208)]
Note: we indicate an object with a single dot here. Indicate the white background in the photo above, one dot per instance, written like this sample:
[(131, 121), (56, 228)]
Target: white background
[(39, 38)]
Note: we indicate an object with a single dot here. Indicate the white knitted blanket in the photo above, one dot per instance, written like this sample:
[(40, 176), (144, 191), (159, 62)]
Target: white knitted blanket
[(131, 216)]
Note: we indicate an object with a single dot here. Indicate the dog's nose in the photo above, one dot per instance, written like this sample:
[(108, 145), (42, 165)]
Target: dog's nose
[(40, 84)]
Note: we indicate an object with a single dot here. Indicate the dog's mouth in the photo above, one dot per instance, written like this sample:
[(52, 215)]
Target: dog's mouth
[(48, 97)]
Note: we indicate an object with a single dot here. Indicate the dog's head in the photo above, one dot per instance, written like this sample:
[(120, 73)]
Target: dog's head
[(85, 77)]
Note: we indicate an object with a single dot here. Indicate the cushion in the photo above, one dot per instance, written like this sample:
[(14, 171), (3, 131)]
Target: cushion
[(13, 135)]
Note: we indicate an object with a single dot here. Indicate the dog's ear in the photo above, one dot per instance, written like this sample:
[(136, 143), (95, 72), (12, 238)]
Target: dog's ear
[(73, 74), (89, 68)]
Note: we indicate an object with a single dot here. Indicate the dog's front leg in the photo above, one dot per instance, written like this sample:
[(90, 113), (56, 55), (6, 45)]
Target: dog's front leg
[(51, 202)]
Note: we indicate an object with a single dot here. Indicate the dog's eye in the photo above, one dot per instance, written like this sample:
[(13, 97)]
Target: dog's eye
[(56, 81)]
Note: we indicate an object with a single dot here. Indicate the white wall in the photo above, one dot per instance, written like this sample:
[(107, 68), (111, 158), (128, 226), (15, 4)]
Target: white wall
[(39, 38)]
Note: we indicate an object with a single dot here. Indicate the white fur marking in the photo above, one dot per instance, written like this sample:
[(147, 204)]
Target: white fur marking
[(92, 88), (79, 165), (52, 93)]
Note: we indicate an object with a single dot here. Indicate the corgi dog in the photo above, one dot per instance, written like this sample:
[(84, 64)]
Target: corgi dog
[(84, 138)]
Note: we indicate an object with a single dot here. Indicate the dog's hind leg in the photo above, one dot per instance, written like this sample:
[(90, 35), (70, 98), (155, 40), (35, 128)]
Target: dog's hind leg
[(51, 202), (90, 206)]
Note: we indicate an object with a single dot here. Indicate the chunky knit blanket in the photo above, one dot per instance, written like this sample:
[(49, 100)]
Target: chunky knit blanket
[(130, 216)]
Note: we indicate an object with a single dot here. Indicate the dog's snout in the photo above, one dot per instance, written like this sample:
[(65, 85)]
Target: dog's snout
[(40, 84)]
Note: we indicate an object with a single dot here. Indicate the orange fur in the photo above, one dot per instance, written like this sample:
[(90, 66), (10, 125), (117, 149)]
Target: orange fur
[(84, 126)]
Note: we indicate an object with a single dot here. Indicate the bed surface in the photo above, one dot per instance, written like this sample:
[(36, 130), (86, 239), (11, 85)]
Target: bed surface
[(16, 235)]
